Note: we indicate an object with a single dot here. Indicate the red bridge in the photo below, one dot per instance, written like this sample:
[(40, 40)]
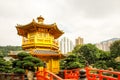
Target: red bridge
[(91, 74)]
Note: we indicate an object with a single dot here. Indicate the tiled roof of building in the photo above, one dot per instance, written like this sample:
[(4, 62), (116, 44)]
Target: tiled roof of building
[(44, 52)]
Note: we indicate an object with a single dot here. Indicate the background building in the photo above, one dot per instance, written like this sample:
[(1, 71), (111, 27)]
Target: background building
[(66, 45), (79, 41), (105, 45)]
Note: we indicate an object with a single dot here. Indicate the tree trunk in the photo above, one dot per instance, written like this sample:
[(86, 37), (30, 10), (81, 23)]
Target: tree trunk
[(30, 75)]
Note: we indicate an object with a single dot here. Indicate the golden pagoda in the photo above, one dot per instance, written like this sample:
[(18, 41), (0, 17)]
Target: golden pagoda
[(41, 40)]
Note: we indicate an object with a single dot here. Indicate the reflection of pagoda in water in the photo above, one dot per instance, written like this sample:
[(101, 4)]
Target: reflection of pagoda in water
[(40, 40)]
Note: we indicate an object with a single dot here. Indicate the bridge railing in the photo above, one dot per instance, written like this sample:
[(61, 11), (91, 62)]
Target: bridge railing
[(94, 74), (46, 75), (72, 74), (91, 74)]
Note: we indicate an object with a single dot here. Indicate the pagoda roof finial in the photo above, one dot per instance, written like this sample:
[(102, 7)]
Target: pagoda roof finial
[(40, 19), (33, 20)]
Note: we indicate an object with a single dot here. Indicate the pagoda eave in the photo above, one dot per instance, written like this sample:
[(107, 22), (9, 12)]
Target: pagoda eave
[(47, 55), (32, 27)]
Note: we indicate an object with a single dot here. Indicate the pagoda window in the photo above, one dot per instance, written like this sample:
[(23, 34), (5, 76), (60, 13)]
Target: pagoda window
[(31, 35), (39, 35), (45, 35), (42, 35), (41, 30)]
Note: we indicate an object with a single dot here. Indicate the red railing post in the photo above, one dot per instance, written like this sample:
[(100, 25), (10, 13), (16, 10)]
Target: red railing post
[(118, 76), (51, 77), (100, 74), (87, 72), (22, 77), (64, 74), (44, 71)]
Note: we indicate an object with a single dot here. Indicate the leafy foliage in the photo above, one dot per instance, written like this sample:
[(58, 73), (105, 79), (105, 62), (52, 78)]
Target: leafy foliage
[(100, 65), (22, 55), (90, 52), (76, 49), (26, 61), (6, 49), (104, 55), (115, 49), (72, 61), (5, 66), (19, 70)]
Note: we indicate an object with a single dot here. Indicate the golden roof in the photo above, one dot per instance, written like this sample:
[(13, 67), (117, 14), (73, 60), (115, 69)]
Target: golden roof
[(23, 30)]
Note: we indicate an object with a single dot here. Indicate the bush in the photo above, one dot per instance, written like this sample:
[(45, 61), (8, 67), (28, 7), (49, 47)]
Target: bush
[(74, 65), (72, 61), (19, 70), (22, 55), (5, 66), (100, 64), (26, 61)]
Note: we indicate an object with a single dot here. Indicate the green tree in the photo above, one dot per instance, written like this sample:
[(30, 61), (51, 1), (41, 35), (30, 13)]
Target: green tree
[(72, 61), (115, 49), (76, 49), (103, 59), (104, 55), (90, 52), (6, 49), (111, 63), (5, 66), (26, 61), (100, 64)]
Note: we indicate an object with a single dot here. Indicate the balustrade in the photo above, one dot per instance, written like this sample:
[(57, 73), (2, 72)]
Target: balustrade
[(46, 75)]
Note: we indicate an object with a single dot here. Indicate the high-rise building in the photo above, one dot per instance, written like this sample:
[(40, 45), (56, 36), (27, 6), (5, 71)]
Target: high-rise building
[(79, 41), (66, 45), (105, 45)]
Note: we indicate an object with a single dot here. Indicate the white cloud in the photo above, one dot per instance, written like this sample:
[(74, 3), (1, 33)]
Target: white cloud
[(94, 20)]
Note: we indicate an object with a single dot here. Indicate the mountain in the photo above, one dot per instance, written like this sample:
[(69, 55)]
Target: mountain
[(113, 39)]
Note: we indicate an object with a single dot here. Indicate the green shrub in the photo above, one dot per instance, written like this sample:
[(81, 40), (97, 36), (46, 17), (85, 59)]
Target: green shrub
[(26, 62), (18, 70)]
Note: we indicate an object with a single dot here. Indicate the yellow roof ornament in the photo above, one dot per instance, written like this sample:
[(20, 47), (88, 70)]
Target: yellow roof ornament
[(33, 20), (40, 19), (54, 24)]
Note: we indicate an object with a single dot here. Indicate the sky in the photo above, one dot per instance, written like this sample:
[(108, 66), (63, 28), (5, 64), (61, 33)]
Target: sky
[(93, 20)]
